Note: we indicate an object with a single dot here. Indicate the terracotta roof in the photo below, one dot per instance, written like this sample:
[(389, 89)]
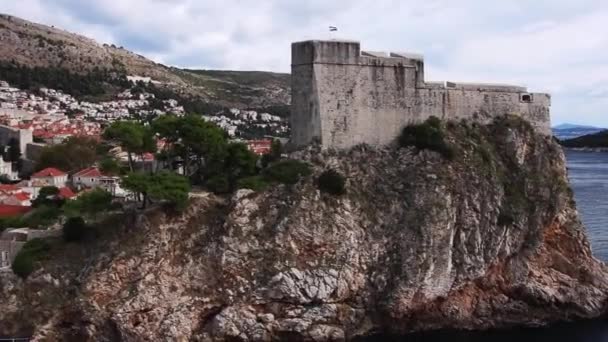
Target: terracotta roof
[(13, 210), (8, 187), (89, 172), (49, 172), (66, 193), (22, 196)]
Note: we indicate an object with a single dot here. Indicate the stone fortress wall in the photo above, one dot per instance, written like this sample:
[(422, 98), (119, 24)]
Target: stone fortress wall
[(342, 96)]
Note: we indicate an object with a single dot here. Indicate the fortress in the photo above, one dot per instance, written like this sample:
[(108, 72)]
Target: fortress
[(342, 96)]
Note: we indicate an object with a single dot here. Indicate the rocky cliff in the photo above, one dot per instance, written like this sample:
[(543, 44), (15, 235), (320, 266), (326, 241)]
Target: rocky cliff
[(488, 239)]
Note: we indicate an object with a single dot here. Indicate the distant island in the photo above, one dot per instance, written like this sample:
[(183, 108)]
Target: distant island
[(597, 140), (567, 131)]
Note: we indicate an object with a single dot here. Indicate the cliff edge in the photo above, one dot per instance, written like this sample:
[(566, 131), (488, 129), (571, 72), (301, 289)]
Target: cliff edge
[(488, 239)]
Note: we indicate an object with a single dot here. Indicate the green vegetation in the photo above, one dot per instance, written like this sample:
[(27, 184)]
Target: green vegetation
[(255, 183), (596, 140), (166, 187), (41, 217), (276, 149), (90, 204), (286, 171), (132, 137), (32, 252), (48, 196), (96, 83), (74, 154), (74, 229), (332, 182), (428, 135)]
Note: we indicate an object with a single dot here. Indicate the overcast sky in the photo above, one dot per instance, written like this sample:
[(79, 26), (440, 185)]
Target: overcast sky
[(557, 46)]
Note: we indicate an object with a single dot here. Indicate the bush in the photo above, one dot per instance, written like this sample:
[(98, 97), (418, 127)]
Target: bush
[(218, 184), (74, 229), (42, 217), (287, 171), (32, 252), (332, 182), (255, 183), (428, 135)]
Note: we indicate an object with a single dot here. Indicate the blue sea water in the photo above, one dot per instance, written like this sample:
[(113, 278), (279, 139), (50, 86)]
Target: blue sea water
[(588, 173)]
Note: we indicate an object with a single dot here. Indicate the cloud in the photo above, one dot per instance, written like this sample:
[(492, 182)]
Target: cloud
[(559, 46)]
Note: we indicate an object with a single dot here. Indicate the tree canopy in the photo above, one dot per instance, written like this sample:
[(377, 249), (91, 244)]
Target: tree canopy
[(132, 137), (164, 186), (74, 154)]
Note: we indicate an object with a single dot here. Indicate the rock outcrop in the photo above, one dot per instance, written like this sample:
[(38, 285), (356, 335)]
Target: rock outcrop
[(489, 239)]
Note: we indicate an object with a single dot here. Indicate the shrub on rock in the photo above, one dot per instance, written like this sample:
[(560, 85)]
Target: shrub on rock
[(332, 182)]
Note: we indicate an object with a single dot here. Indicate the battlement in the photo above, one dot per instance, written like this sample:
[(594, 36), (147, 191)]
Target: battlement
[(343, 96), (346, 52)]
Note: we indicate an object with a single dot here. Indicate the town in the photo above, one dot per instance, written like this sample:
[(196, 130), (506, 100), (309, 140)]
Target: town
[(34, 124)]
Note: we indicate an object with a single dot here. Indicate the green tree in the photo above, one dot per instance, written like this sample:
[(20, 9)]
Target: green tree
[(138, 183), (164, 186), (132, 137), (197, 143), (48, 196), (89, 204), (276, 149), (239, 163), (74, 229), (33, 251), (109, 166), (74, 154)]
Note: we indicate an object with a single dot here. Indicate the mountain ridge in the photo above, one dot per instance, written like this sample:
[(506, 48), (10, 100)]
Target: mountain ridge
[(29, 44)]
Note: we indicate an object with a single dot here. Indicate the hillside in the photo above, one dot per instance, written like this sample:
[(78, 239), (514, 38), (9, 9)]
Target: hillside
[(489, 239), (571, 131), (29, 45), (596, 140)]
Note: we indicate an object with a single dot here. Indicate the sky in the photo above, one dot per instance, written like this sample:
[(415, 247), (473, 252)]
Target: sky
[(555, 46)]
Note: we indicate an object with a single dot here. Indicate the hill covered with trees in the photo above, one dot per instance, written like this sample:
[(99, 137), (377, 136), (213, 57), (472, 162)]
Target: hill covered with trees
[(596, 140)]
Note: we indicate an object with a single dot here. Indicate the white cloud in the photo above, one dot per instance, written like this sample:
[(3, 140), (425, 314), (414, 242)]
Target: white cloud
[(554, 45)]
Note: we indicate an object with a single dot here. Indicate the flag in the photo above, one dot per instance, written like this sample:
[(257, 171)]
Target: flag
[(333, 28)]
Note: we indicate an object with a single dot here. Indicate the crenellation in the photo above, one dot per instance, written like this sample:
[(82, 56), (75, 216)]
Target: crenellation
[(342, 96)]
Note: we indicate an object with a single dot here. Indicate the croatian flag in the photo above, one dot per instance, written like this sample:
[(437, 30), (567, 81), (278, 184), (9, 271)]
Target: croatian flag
[(333, 28)]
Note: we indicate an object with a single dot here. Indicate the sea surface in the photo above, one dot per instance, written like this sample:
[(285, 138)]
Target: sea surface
[(588, 173)]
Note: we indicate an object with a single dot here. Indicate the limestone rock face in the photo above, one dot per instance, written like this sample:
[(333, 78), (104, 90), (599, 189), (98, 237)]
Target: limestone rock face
[(489, 239)]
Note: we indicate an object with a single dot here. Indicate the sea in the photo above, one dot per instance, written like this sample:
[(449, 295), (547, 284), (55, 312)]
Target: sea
[(588, 174)]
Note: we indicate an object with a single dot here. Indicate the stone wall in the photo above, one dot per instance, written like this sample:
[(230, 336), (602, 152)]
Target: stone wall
[(342, 96), (23, 136)]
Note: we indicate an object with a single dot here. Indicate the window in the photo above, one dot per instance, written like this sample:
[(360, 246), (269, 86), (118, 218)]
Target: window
[(526, 98)]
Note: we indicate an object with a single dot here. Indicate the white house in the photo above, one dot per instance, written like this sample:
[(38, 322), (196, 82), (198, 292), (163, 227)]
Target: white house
[(93, 178), (50, 177), (6, 168), (87, 178)]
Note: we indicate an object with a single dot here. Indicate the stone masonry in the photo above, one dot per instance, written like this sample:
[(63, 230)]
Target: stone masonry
[(342, 96)]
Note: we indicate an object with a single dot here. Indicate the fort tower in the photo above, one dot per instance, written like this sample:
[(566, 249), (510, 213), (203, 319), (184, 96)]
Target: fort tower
[(342, 96)]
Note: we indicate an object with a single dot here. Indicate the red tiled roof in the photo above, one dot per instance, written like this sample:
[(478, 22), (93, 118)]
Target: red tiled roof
[(8, 187), (89, 172), (49, 172), (22, 196), (66, 193), (13, 210)]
